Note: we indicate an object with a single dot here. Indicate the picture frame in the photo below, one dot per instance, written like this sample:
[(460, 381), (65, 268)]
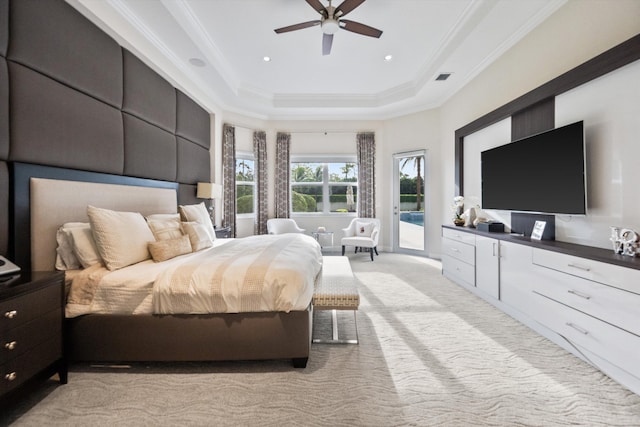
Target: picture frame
[(538, 230)]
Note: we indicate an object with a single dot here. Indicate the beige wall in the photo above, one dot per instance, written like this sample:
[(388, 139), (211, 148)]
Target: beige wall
[(577, 32)]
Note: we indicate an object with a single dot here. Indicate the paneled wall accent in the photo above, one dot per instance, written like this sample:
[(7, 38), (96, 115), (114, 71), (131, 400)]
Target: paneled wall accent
[(71, 97), (535, 119), (619, 56)]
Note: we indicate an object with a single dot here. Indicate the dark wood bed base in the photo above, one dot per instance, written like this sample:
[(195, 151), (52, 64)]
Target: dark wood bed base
[(189, 338), (162, 338)]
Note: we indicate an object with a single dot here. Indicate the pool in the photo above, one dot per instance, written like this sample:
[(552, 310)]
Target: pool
[(416, 218)]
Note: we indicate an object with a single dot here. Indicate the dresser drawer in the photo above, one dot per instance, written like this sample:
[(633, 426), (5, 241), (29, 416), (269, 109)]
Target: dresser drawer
[(458, 271), (459, 236), (20, 369), (613, 344), (618, 307), (22, 309), (462, 251), (608, 274), (16, 341)]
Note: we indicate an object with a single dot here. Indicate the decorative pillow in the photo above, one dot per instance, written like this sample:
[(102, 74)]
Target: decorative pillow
[(163, 217), (165, 230), (84, 246), (169, 248), (364, 229), (198, 213), (198, 235), (121, 237), (65, 258)]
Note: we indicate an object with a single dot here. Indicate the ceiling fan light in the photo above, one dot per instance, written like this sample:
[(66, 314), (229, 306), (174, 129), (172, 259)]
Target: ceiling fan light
[(330, 26)]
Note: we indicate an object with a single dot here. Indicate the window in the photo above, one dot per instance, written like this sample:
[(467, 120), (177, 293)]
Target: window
[(325, 187), (245, 184)]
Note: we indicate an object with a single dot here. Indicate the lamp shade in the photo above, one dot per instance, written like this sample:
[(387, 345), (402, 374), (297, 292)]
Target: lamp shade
[(209, 190)]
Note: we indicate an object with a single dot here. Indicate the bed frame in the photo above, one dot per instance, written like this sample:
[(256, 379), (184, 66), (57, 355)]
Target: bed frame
[(46, 197)]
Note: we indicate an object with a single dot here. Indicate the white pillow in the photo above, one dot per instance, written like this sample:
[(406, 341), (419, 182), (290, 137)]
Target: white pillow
[(121, 237), (364, 229), (65, 257), (84, 246), (198, 235), (165, 230), (198, 213)]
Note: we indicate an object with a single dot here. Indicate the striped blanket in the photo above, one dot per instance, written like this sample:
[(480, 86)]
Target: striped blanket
[(258, 273)]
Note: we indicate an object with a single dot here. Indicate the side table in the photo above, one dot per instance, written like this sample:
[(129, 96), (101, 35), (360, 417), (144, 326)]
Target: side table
[(322, 236), (31, 330)]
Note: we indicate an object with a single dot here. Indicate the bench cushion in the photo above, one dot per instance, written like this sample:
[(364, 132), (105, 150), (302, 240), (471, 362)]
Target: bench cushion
[(336, 287)]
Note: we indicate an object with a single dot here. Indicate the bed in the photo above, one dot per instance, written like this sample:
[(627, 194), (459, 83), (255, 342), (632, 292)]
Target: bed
[(56, 196)]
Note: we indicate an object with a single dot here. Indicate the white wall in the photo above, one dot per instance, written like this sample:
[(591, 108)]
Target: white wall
[(610, 108)]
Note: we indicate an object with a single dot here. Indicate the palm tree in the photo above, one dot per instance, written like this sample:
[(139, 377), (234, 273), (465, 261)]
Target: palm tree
[(417, 161)]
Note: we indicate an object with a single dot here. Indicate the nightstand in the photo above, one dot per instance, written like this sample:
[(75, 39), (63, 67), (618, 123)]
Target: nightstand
[(31, 330), (223, 232)]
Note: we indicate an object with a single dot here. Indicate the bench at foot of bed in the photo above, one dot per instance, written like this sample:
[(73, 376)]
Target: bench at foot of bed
[(337, 289)]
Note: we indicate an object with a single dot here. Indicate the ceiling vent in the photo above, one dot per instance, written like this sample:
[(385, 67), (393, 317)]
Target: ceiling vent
[(443, 76)]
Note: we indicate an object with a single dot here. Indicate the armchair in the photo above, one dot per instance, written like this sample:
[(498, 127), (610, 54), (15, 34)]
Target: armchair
[(362, 233), (282, 226)]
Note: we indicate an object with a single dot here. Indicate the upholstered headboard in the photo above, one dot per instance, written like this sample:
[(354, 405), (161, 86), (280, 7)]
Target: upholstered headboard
[(54, 196), (79, 100)]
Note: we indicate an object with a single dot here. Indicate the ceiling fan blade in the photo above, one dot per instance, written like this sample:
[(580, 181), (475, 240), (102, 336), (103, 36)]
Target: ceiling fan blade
[(318, 7), (356, 27), (327, 41), (299, 26), (346, 7)]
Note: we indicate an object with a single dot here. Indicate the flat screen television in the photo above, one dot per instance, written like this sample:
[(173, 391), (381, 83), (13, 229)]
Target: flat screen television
[(540, 173)]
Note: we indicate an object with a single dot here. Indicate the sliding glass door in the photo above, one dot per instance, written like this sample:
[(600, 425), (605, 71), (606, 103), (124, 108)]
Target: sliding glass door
[(409, 202)]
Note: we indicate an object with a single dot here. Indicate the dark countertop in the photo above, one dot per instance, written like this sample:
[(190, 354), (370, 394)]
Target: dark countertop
[(588, 252)]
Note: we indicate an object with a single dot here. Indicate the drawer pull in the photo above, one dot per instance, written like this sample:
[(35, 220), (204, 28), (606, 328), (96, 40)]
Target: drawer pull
[(11, 345), (11, 314), (455, 250), (579, 294), (579, 267), (11, 376), (578, 328)]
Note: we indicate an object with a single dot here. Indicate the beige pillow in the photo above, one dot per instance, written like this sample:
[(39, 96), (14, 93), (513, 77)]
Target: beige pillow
[(121, 237), (163, 217), (170, 248), (165, 230), (198, 235), (198, 213)]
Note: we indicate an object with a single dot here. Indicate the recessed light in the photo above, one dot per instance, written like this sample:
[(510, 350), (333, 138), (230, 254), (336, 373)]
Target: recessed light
[(266, 59), (197, 62), (443, 76), (388, 58)]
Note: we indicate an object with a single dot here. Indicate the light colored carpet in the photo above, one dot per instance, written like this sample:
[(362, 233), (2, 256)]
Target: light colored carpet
[(431, 353)]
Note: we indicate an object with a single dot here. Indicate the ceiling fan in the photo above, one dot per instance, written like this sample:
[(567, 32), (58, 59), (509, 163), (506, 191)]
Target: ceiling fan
[(332, 21)]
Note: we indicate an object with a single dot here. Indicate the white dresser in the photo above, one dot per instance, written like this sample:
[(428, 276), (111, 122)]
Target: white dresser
[(585, 299)]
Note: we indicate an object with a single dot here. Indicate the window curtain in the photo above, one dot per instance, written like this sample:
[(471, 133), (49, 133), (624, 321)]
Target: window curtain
[(260, 157), (229, 177), (282, 186), (366, 146)]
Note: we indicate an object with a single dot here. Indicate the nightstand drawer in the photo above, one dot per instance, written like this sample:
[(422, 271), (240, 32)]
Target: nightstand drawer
[(22, 309), (15, 342), (20, 369)]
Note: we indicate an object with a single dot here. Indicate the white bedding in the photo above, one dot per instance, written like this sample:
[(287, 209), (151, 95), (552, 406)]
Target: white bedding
[(130, 290)]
